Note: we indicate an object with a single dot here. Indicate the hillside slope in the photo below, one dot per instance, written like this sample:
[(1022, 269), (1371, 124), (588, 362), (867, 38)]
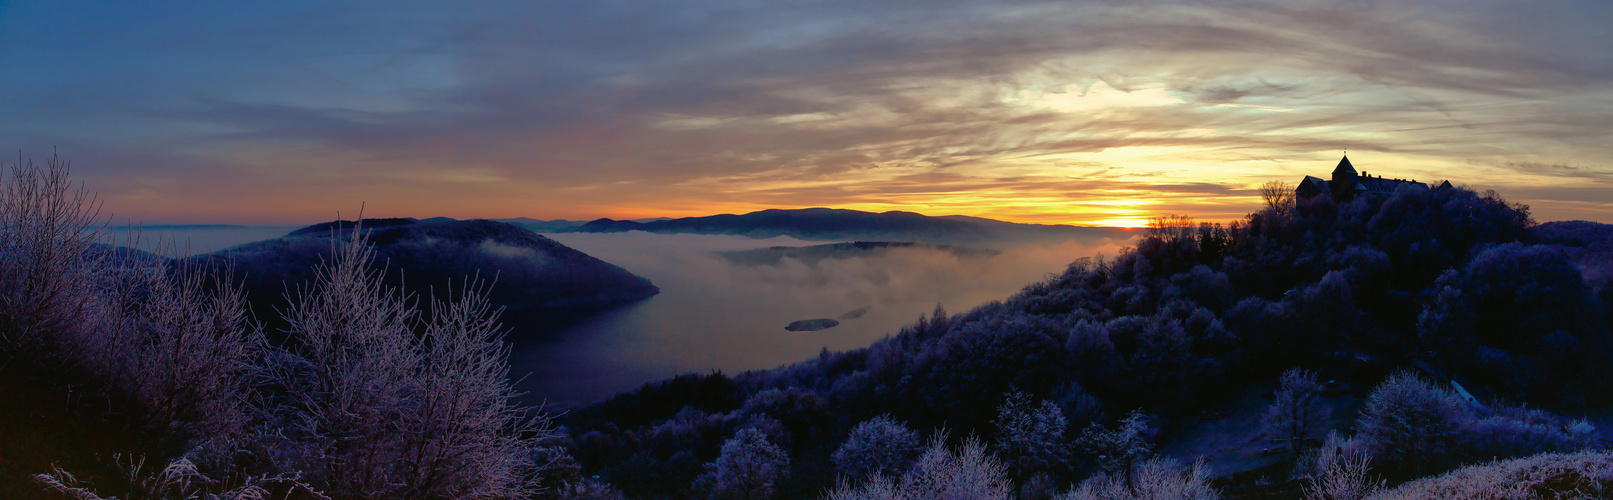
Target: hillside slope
[(1178, 330)]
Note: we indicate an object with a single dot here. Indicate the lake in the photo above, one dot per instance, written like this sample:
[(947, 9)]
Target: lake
[(714, 314)]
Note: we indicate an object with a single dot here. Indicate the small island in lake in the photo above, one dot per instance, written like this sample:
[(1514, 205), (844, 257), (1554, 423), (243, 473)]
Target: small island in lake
[(812, 325)]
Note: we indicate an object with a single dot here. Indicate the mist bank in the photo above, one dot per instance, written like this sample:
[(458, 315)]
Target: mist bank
[(177, 241)]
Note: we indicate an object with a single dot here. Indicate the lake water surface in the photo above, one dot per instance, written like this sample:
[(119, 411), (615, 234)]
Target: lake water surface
[(713, 314)]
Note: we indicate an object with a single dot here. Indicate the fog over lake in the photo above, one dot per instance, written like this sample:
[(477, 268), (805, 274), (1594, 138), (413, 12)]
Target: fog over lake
[(713, 314), (184, 241)]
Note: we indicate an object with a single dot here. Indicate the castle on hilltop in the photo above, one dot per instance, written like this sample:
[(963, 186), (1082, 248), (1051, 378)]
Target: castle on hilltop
[(1347, 185)]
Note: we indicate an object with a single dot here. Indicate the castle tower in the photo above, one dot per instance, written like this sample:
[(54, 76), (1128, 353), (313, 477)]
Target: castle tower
[(1344, 180)]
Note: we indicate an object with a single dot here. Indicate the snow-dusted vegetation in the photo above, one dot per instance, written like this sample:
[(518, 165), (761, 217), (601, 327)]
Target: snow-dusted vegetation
[(1585, 474), (1433, 334), (1074, 384), (372, 395)]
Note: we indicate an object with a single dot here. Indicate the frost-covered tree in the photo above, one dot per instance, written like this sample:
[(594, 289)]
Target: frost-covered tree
[(1522, 317), (1296, 413), (1507, 432), (1345, 478), (463, 435), (178, 343), (1409, 424), (880, 445), (1155, 479), (749, 467), (352, 374), (969, 473), (47, 229), (375, 410), (1030, 437), (1118, 450)]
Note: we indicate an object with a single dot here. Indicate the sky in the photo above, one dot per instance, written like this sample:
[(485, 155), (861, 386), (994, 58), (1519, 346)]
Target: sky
[(1089, 113)]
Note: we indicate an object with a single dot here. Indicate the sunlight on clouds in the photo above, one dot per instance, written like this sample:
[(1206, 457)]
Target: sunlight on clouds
[(464, 176), (1121, 202), (1125, 222), (686, 122), (1091, 113), (802, 117), (1095, 97)]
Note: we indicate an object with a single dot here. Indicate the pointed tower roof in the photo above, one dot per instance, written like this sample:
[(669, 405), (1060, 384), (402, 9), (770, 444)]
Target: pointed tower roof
[(1344, 167)]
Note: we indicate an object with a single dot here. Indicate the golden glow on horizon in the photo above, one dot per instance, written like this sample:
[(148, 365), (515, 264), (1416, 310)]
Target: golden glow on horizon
[(1126, 223), (1051, 193), (1114, 183)]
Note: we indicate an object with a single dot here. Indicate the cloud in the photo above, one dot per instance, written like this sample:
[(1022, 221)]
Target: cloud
[(510, 251), (1595, 173), (670, 106)]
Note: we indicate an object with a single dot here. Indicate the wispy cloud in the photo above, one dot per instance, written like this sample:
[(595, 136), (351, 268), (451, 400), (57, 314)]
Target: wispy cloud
[(1019, 109)]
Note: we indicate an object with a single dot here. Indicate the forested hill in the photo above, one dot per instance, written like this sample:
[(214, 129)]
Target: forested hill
[(532, 271), (837, 224), (1454, 281)]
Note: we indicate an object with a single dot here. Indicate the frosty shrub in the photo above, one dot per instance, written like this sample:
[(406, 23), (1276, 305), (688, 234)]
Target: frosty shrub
[(1334, 448), (1156, 478), (178, 344), (1296, 412), (1118, 450), (1343, 478), (1030, 438), (749, 467), (463, 436), (373, 410), (1409, 425), (880, 445), (47, 228), (352, 376), (1586, 474), (970, 473), (179, 480), (1515, 432), (587, 489)]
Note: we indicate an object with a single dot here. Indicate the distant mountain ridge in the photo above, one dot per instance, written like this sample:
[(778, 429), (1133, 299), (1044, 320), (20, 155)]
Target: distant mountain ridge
[(811, 255), (840, 224)]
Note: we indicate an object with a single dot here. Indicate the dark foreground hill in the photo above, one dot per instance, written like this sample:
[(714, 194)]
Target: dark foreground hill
[(836, 224), (532, 272)]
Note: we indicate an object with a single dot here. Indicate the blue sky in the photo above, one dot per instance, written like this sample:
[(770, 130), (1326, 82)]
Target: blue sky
[(1071, 112)]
